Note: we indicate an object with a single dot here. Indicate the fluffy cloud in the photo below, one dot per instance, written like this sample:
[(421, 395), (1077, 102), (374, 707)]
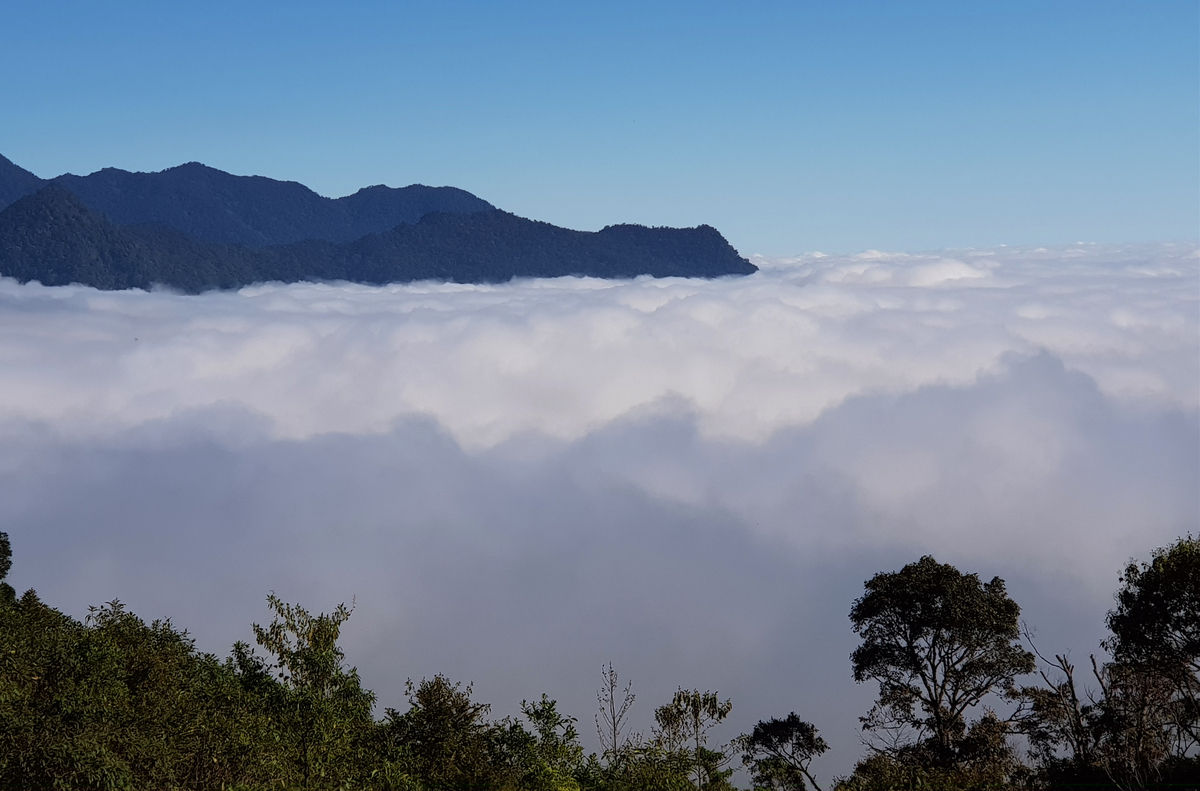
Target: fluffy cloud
[(564, 357), (692, 479)]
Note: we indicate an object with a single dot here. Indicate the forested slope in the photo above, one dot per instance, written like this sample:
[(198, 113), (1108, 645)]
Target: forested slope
[(111, 702)]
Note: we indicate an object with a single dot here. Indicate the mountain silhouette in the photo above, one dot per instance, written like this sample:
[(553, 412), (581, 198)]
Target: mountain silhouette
[(214, 206), (16, 182), (195, 228)]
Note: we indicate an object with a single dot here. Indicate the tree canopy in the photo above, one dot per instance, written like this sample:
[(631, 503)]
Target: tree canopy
[(112, 703), (778, 753), (937, 641)]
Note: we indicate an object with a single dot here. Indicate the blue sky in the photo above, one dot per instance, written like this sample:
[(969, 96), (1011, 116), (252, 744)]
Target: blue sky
[(789, 126)]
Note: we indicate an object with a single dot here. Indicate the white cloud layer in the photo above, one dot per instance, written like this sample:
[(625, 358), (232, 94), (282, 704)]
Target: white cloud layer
[(692, 479), (563, 357)]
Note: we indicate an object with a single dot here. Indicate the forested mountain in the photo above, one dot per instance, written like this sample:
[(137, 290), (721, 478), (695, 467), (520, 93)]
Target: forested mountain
[(213, 206), (193, 228), (51, 236)]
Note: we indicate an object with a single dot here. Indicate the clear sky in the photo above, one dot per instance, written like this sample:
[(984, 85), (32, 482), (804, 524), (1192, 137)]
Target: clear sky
[(789, 126)]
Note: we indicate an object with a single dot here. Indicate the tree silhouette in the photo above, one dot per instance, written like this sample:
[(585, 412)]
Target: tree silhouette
[(778, 753), (937, 641)]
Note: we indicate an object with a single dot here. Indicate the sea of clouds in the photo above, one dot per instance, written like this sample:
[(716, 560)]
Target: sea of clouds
[(692, 479)]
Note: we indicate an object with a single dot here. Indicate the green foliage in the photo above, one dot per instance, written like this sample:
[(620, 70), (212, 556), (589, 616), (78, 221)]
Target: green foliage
[(557, 757), (645, 767), (111, 703), (683, 726), (443, 738), (937, 641), (322, 704)]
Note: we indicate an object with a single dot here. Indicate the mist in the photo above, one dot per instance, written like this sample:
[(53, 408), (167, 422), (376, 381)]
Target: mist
[(517, 483)]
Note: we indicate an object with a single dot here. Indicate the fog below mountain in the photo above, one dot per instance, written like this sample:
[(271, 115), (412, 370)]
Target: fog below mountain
[(517, 483)]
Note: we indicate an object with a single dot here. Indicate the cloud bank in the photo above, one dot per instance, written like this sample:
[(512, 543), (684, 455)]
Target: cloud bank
[(692, 479)]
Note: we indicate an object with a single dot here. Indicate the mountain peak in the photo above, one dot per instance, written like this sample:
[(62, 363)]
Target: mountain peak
[(16, 182), (192, 165)]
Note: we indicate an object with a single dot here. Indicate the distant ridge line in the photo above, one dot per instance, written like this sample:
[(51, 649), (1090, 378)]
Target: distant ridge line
[(195, 228)]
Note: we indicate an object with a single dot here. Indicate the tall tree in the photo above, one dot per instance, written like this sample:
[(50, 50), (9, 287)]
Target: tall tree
[(685, 722), (612, 717), (937, 641), (444, 736), (1151, 705), (1156, 627), (326, 707), (555, 749)]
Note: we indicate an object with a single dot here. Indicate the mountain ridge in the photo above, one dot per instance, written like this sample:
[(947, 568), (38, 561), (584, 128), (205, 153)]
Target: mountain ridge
[(194, 227)]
